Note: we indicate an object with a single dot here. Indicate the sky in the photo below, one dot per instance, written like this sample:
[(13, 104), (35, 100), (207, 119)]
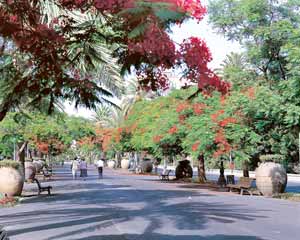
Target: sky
[(218, 45)]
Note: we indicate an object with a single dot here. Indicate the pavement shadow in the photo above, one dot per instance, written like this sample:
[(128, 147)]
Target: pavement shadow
[(170, 237), (90, 207), (116, 205)]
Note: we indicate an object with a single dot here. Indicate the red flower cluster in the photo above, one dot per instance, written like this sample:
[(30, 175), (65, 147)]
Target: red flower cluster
[(214, 117), (196, 55), (222, 143), (182, 106), (162, 54), (194, 7), (251, 93), (220, 137), (104, 138), (198, 108), (157, 138), (223, 100), (113, 6), (173, 130), (195, 146), (43, 147), (227, 121), (7, 200), (182, 118), (152, 80), (151, 52)]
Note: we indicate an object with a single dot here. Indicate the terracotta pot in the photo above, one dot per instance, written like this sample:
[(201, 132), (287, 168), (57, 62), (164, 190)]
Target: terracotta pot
[(271, 178), (11, 181), (184, 170), (146, 165), (30, 171), (38, 165), (125, 162), (111, 163)]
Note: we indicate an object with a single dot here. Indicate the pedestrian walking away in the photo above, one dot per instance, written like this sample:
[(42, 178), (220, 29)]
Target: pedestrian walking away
[(100, 165), (83, 169), (74, 168)]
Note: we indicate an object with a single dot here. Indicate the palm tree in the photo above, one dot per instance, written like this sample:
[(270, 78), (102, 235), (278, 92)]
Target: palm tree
[(90, 57), (232, 60), (237, 70)]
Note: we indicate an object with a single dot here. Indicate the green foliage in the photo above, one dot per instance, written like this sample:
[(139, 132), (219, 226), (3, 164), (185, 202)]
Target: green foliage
[(219, 130), (35, 128), (263, 27), (236, 70), (174, 125), (10, 164), (269, 33), (271, 157)]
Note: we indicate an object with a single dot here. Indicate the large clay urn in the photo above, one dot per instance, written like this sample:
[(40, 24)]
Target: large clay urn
[(125, 162), (184, 170), (146, 165), (30, 171), (11, 181), (111, 163), (271, 178)]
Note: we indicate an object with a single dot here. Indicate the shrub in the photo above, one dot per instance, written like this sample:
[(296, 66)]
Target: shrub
[(271, 158), (10, 163)]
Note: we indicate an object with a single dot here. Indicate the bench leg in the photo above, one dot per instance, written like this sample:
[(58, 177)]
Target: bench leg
[(49, 193), (242, 191)]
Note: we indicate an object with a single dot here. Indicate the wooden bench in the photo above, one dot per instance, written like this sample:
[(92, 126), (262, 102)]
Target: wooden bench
[(245, 184), (46, 174), (41, 188), (165, 175), (3, 234)]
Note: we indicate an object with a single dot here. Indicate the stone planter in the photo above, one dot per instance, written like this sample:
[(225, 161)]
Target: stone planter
[(30, 171), (111, 163), (184, 170), (11, 181), (146, 165), (38, 165), (271, 178), (125, 162)]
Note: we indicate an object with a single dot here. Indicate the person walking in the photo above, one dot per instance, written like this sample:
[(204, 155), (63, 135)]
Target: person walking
[(74, 168), (83, 169), (100, 165)]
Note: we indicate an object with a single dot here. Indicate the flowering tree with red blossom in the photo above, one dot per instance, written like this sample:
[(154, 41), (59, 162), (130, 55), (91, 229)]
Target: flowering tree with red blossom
[(208, 128), (215, 126), (56, 48), (155, 125)]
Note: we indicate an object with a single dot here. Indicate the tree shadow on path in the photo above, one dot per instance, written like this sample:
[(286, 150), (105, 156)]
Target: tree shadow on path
[(170, 237)]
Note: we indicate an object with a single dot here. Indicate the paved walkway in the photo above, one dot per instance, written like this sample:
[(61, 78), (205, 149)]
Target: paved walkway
[(130, 207)]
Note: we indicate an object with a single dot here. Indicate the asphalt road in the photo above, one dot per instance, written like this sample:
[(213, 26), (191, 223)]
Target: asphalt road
[(130, 207)]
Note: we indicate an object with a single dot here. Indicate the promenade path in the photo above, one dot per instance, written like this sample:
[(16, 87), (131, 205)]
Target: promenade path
[(131, 207)]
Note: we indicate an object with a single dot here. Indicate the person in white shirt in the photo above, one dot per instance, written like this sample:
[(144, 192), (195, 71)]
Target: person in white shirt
[(74, 168), (100, 165)]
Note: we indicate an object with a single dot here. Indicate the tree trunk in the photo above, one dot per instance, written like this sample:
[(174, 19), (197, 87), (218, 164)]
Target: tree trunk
[(201, 169), (245, 169), (165, 163), (135, 157), (119, 158), (222, 180), (21, 154)]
